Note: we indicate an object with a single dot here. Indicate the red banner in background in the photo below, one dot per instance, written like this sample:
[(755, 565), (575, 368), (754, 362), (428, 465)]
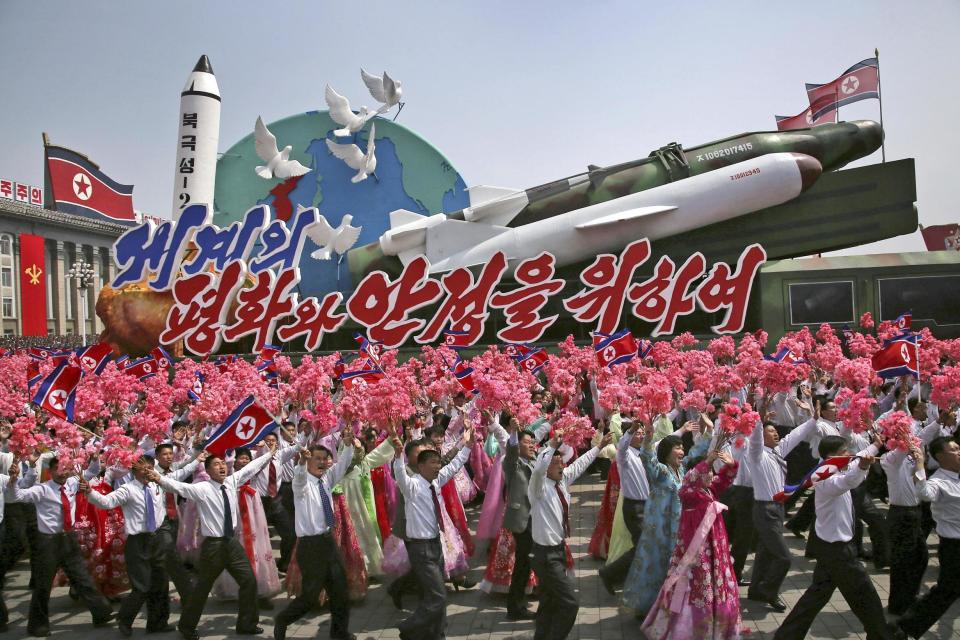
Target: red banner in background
[(33, 287)]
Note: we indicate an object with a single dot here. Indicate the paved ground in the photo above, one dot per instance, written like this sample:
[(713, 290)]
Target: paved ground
[(474, 615)]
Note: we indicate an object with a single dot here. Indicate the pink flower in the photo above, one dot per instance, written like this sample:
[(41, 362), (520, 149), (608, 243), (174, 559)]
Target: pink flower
[(578, 431), (854, 374), (866, 321), (855, 409), (897, 430)]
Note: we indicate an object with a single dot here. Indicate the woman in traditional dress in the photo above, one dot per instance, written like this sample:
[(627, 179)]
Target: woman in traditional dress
[(255, 537), (700, 598), (102, 536), (661, 516), (603, 530), (359, 496)]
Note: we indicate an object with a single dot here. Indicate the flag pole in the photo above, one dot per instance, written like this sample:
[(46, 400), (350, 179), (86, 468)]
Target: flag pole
[(883, 141)]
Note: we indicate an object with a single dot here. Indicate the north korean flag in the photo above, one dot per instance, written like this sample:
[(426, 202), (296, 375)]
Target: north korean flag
[(456, 339), (339, 366), (786, 354), (825, 110), (369, 373), (94, 358), (464, 375), (60, 357), (269, 374), (614, 348), (368, 349), (141, 368), (195, 392), (247, 424), (269, 352), (644, 347), (80, 188), (39, 353), (534, 361), (899, 356), (518, 351), (904, 321), (58, 391), (823, 470), (162, 359), (223, 363), (859, 82), (33, 374)]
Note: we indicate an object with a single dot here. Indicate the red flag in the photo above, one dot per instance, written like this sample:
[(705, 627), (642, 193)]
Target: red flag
[(940, 237), (58, 391), (247, 425), (825, 108), (614, 348), (142, 368), (898, 357), (534, 361), (859, 82), (162, 359), (94, 358), (79, 187), (33, 287)]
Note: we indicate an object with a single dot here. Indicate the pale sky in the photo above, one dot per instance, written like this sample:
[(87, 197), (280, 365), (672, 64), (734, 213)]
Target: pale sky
[(515, 94)]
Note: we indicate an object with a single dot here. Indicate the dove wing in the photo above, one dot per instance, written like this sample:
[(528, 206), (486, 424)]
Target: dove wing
[(375, 85), (290, 169), (321, 232), (264, 141), (339, 107), (389, 89), (346, 238), (349, 153), (371, 144)]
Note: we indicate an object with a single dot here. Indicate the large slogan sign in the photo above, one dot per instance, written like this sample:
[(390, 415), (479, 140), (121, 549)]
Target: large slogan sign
[(224, 290)]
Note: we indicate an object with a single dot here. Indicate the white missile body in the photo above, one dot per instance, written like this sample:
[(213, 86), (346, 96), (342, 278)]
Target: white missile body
[(607, 227), (198, 135)]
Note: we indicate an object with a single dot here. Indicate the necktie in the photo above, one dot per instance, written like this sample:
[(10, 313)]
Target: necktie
[(272, 481), (151, 518), (171, 504), (65, 503), (325, 503), (436, 506), (227, 514), (566, 511)]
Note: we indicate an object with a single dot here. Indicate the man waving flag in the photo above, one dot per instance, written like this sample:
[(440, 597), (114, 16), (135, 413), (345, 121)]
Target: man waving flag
[(248, 424)]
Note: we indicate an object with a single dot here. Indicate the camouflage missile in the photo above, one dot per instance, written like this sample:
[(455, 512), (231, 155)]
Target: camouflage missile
[(831, 145)]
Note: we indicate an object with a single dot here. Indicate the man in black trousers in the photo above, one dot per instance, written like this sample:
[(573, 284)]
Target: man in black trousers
[(832, 545), (143, 513), (217, 505), (168, 531), (57, 546), (318, 556), (942, 491)]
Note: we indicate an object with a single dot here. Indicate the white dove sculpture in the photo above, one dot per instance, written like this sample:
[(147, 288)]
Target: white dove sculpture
[(331, 240), (383, 89), (279, 164), (363, 163), (341, 113)]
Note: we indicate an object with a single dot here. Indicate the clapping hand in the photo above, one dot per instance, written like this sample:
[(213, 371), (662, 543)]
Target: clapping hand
[(725, 458)]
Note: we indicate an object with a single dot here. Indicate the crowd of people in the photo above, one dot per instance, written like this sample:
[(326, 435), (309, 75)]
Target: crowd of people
[(705, 451)]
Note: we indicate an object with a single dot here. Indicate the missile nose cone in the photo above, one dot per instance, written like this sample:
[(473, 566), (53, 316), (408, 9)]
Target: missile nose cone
[(810, 169), (870, 132), (203, 65)]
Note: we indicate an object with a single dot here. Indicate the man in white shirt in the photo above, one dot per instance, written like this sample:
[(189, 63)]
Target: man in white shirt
[(837, 564), (217, 506), (766, 454), (182, 580), (267, 485), (423, 510), (318, 555), (942, 491), (56, 503), (908, 552), (4, 481), (143, 514), (635, 490), (549, 494), (827, 425)]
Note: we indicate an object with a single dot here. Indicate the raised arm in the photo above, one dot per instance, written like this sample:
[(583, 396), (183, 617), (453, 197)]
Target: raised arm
[(755, 444), (186, 471), (336, 473), (798, 435), (537, 485), (111, 500), (252, 468), (575, 470), (380, 456), (447, 472), (404, 484), (182, 489), (840, 483)]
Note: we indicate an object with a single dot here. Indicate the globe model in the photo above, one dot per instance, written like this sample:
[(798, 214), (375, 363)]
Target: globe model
[(411, 174)]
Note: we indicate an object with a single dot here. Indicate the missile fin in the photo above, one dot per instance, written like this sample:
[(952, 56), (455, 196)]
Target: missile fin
[(454, 236), (400, 217), (623, 216), (483, 193)]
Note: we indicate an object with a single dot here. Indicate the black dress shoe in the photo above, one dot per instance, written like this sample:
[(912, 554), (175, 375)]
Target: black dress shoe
[(279, 631), (797, 531), (743, 583), (252, 631), (167, 628), (756, 597), (125, 630), (105, 621), (189, 634), (778, 605), (42, 632)]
